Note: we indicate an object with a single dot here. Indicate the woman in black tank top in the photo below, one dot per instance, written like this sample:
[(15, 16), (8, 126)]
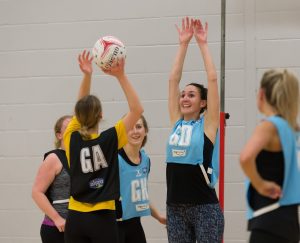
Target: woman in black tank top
[(264, 160), (51, 188)]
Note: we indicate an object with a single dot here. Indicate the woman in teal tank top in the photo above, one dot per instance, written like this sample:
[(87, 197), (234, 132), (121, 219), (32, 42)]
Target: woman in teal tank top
[(269, 160), (134, 168), (193, 210)]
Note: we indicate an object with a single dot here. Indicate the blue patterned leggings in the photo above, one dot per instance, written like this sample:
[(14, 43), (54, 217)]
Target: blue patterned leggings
[(188, 223)]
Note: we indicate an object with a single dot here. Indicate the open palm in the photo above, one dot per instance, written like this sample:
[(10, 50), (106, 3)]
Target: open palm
[(85, 62), (200, 33), (186, 32)]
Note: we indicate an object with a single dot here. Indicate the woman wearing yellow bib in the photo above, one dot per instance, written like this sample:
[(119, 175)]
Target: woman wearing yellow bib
[(93, 159)]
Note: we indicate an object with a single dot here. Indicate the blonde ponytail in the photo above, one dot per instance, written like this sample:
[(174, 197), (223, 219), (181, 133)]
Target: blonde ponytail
[(282, 93)]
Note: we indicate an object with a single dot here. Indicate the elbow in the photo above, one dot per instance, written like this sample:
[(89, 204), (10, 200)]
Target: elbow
[(137, 111), (33, 194), (36, 193), (212, 78), (174, 78), (244, 158), (140, 110)]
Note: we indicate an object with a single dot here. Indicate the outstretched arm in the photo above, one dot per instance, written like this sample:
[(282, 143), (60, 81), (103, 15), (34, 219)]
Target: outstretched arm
[(185, 35), (135, 107), (213, 102), (85, 65)]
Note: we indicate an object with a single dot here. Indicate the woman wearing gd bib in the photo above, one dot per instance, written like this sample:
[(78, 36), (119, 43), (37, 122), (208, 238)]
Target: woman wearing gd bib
[(193, 210)]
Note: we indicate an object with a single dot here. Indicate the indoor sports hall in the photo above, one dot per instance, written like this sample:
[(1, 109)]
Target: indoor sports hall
[(39, 80)]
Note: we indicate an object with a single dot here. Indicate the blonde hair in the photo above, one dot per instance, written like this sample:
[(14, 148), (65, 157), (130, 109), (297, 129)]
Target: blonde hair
[(57, 129), (282, 93), (88, 110)]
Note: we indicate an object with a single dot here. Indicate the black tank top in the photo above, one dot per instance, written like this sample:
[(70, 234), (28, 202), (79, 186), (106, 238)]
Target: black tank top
[(284, 220), (100, 155), (270, 166), (186, 183)]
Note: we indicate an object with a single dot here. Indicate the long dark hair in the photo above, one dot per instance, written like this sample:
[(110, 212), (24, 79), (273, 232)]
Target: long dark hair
[(203, 93)]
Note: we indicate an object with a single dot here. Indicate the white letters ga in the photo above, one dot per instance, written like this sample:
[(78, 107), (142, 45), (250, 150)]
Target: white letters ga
[(94, 163)]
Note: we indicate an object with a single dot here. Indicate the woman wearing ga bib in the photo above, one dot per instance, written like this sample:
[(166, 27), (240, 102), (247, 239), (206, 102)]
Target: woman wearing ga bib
[(93, 160), (269, 160)]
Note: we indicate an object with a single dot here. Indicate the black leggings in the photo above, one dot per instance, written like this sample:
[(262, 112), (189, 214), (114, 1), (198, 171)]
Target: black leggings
[(131, 231), (91, 227), (50, 234), (260, 236)]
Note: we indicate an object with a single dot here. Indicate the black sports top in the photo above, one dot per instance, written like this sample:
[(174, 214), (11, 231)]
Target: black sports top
[(186, 183), (284, 220), (94, 167)]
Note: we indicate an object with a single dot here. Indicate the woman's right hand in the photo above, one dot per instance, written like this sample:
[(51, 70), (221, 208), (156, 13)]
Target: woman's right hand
[(60, 223), (85, 62), (187, 30), (269, 189), (117, 69)]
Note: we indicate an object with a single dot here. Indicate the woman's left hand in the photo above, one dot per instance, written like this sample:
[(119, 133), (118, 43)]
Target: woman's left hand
[(200, 33)]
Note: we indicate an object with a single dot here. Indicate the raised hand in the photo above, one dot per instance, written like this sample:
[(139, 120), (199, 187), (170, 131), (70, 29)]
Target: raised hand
[(85, 62), (200, 33), (117, 68), (186, 32)]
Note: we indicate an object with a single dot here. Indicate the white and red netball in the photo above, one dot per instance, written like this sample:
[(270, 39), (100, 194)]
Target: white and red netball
[(106, 50)]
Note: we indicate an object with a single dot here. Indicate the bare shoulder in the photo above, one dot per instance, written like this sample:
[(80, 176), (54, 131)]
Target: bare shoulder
[(52, 163), (266, 127), (268, 130)]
